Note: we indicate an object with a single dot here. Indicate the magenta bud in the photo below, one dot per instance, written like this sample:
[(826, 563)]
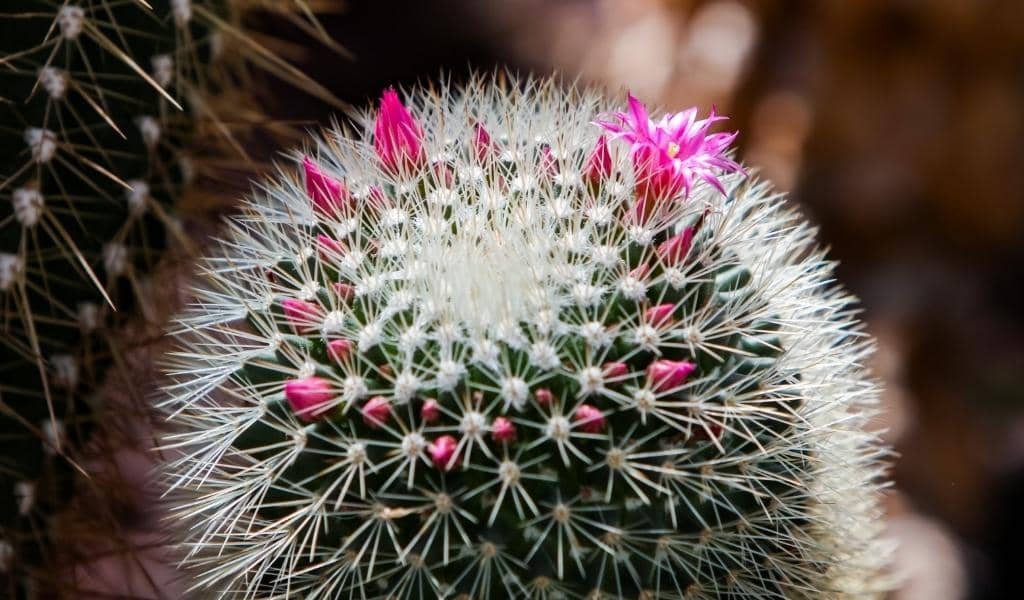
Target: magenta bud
[(339, 350), (615, 370), (674, 250), (641, 272), (482, 145), (329, 247), (302, 315), (376, 411), (309, 397), (544, 396), (669, 374), (589, 418), (343, 290), (659, 315), (430, 411), (548, 164), (442, 452), (397, 137), (599, 165), (444, 174), (327, 194), (503, 430)]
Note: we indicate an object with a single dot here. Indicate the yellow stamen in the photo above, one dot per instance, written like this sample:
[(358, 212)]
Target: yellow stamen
[(673, 149)]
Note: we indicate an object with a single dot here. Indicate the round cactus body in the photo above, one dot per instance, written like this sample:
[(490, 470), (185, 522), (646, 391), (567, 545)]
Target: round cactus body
[(510, 341)]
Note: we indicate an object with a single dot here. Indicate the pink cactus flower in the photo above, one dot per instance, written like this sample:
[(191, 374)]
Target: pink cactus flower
[(599, 164), (615, 370), (503, 430), (589, 419), (339, 350), (430, 411), (666, 374), (544, 396), (376, 411), (310, 397), (674, 250), (660, 315), (397, 137), (442, 452), (303, 316), (671, 154), (328, 195)]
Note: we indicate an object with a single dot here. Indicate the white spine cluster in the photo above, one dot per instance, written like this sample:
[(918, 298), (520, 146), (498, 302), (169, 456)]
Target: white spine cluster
[(496, 426)]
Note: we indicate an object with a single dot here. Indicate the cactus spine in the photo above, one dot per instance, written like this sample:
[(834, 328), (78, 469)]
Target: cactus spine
[(478, 350)]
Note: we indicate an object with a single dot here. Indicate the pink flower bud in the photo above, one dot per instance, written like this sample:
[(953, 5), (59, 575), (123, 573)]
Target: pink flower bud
[(442, 452), (309, 397), (482, 145), (669, 374), (599, 165), (659, 315), (713, 431), (343, 290), (674, 250), (302, 315), (641, 272), (430, 411), (589, 418), (544, 396), (548, 164), (376, 411), (615, 370), (502, 430), (378, 200), (329, 247), (397, 137), (327, 194), (339, 350), (444, 174)]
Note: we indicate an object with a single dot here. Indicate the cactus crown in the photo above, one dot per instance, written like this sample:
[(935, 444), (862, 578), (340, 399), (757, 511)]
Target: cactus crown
[(479, 350)]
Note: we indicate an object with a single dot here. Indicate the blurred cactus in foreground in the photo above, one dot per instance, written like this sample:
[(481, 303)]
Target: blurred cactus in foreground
[(105, 106), (508, 342)]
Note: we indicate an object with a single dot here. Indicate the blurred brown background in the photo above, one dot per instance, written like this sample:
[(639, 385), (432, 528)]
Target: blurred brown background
[(898, 125)]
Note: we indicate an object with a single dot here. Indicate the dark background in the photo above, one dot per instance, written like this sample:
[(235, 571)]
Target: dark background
[(898, 126)]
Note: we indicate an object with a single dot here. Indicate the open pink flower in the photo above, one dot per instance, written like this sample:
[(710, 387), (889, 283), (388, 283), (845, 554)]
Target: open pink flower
[(671, 154), (397, 137), (328, 195), (309, 397)]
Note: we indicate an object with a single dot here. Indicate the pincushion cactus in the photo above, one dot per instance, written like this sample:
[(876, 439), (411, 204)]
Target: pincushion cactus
[(507, 341)]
